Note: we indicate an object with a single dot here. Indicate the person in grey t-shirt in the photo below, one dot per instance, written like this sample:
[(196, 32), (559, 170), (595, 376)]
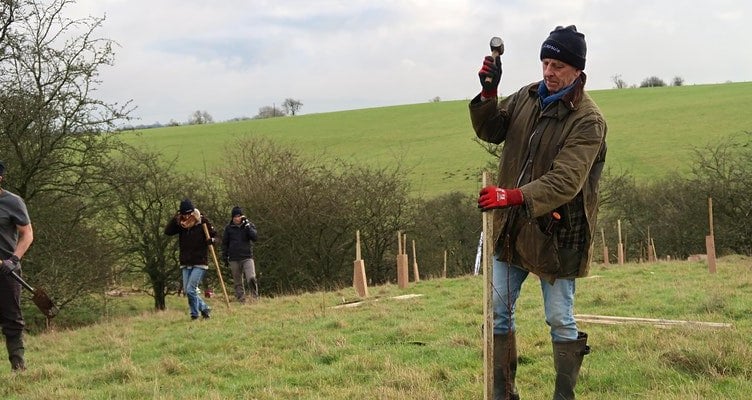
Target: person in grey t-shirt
[(16, 236)]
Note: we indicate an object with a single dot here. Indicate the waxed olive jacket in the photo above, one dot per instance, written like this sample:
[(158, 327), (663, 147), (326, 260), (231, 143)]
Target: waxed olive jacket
[(555, 156)]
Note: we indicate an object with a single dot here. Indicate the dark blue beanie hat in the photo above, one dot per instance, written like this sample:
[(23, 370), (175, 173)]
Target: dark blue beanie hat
[(565, 44), (186, 206)]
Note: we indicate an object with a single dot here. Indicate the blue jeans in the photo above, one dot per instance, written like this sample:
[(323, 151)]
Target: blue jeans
[(192, 276), (558, 301)]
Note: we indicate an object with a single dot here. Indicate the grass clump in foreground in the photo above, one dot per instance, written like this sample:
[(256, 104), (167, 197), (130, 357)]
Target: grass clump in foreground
[(425, 347)]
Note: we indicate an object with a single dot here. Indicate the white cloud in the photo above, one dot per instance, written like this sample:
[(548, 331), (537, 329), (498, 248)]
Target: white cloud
[(233, 57)]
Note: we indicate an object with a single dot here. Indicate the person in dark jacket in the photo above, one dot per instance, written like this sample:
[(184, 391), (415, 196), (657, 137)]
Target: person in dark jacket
[(237, 251), (16, 236), (193, 244), (545, 201)]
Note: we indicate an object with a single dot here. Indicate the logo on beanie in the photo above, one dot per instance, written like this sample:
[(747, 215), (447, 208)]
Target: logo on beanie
[(551, 47)]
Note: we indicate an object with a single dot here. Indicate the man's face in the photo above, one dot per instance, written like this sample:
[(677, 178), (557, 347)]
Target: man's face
[(236, 219), (557, 74)]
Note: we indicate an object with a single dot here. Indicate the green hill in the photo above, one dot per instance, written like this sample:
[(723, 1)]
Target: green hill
[(651, 131)]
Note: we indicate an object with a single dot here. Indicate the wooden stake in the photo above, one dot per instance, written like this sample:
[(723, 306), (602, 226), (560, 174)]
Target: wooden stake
[(359, 270), (620, 249), (416, 275), (655, 253), (443, 274), (710, 215), (357, 245), (605, 248), (710, 239), (487, 299), (402, 277)]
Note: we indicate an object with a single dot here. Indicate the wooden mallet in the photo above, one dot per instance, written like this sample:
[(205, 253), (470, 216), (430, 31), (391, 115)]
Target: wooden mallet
[(497, 49)]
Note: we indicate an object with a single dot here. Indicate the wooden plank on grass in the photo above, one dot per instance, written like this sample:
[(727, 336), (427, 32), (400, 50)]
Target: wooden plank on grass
[(611, 320)]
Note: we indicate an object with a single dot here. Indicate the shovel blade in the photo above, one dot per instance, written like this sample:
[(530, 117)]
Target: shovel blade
[(44, 303)]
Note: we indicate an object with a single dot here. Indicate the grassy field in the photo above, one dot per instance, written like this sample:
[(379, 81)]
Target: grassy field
[(651, 132), (425, 347)]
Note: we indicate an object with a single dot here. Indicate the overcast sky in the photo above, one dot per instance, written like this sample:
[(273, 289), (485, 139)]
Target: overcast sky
[(231, 57)]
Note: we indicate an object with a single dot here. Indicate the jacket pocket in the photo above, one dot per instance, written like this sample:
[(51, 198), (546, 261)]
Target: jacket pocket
[(537, 249), (570, 260)]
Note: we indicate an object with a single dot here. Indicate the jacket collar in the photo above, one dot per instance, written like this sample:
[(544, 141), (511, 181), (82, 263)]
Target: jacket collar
[(571, 99)]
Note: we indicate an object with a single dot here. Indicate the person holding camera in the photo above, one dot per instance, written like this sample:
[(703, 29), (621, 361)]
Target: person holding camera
[(237, 251)]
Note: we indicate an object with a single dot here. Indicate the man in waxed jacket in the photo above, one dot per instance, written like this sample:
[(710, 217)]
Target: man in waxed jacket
[(545, 201), (237, 251)]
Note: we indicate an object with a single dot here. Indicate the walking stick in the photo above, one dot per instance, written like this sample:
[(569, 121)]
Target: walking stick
[(219, 271)]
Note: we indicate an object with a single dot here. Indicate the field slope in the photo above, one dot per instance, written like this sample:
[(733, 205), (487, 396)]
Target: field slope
[(651, 131), (424, 347)]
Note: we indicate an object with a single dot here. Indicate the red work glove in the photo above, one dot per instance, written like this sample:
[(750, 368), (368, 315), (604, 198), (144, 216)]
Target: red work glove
[(495, 197), (491, 69)]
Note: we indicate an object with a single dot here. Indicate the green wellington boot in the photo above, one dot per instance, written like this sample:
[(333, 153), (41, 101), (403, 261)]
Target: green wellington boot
[(567, 362), (505, 367)]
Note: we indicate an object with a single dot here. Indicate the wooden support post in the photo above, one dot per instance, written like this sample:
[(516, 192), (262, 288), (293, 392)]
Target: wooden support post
[(443, 273), (605, 248), (620, 249), (416, 274), (405, 261), (402, 277), (487, 299), (359, 270), (655, 253), (710, 239)]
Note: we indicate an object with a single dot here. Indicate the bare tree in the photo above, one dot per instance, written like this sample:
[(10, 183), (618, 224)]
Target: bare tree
[(677, 81), (270, 112), (51, 137), (652, 81), (200, 117), (450, 223), (142, 196), (291, 106), (307, 212), (50, 123), (618, 81), (7, 16)]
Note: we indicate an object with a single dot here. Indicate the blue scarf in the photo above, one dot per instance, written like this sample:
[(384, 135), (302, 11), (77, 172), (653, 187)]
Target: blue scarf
[(546, 98)]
